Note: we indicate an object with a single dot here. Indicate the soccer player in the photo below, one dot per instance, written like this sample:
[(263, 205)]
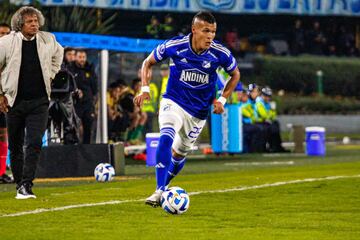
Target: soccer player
[(189, 94)]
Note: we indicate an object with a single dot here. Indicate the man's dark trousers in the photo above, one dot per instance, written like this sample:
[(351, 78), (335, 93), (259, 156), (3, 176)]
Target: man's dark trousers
[(31, 115)]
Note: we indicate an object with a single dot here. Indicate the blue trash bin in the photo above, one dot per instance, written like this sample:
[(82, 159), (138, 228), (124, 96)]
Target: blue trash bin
[(152, 141), (315, 141)]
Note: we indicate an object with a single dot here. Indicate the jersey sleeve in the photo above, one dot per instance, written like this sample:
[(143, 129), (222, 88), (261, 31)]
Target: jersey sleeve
[(161, 52), (228, 62)]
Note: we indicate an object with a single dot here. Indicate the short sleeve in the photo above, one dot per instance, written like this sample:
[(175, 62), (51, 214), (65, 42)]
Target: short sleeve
[(161, 52), (228, 62)]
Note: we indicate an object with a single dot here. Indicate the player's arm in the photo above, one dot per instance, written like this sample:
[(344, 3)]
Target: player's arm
[(228, 89), (146, 73)]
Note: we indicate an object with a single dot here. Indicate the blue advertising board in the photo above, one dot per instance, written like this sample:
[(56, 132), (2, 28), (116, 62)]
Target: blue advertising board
[(92, 41), (226, 130), (299, 7)]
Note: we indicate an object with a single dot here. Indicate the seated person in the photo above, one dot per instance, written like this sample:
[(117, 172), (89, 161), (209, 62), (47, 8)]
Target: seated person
[(252, 136), (116, 119), (267, 117)]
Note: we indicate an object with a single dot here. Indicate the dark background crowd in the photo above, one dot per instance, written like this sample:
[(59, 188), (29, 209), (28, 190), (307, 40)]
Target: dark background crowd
[(307, 36)]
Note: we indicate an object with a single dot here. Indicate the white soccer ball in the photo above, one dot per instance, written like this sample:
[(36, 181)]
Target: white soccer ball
[(346, 140), (104, 172), (175, 200)]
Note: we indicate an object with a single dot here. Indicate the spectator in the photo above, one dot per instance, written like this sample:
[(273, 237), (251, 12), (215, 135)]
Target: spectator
[(69, 55), (25, 91), (139, 117), (316, 40), (4, 29), (232, 40), (164, 73), (184, 30), (116, 119), (61, 110), (253, 93), (149, 107), (251, 132), (346, 42), (267, 116), (4, 178), (297, 39), (153, 30), (86, 81), (126, 108), (168, 29), (332, 40)]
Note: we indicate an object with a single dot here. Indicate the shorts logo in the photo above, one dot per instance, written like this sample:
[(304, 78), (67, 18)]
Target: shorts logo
[(167, 107), (217, 4), (206, 64)]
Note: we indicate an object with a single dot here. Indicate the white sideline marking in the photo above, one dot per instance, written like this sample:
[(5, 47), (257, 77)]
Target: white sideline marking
[(42, 210), (259, 163)]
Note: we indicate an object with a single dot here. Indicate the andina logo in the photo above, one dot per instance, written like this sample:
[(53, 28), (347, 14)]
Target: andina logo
[(194, 77), (217, 4)]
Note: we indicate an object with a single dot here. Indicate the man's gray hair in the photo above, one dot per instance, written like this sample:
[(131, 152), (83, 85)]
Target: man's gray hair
[(17, 20)]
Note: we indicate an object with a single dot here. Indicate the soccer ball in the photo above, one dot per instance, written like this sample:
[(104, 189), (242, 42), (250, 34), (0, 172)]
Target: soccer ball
[(175, 200), (104, 172)]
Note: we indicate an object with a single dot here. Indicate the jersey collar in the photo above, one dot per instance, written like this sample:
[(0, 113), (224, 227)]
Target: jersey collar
[(191, 49)]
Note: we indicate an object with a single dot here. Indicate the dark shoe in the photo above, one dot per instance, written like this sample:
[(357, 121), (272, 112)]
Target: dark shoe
[(25, 191), (6, 179)]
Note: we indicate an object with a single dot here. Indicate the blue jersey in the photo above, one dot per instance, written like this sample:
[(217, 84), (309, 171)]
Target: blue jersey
[(193, 76)]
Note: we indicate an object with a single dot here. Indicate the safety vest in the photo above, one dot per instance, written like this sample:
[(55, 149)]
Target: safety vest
[(247, 111), (164, 82), (150, 105), (263, 110)]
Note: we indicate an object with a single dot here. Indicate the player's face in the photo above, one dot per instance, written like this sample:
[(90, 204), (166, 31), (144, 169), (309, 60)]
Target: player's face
[(31, 25), (203, 33)]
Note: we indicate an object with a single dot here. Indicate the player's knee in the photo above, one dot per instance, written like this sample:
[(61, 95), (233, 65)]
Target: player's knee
[(178, 156)]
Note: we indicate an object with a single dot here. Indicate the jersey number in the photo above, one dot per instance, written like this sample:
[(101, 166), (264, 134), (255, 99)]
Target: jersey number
[(195, 133)]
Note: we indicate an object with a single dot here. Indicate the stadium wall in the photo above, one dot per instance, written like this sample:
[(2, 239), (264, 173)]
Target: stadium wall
[(332, 123)]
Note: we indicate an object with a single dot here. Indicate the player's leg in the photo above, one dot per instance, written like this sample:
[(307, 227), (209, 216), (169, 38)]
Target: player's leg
[(176, 165), (183, 144), (169, 122)]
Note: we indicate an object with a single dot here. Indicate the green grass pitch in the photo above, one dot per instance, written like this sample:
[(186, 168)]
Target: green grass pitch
[(261, 200)]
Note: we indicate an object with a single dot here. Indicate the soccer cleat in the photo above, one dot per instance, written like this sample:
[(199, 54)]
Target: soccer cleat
[(154, 199), (25, 192)]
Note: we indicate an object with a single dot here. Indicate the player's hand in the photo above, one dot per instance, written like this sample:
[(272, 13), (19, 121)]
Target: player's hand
[(3, 104), (218, 107), (139, 99)]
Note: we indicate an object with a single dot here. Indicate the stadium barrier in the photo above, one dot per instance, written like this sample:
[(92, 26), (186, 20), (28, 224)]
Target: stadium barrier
[(79, 160)]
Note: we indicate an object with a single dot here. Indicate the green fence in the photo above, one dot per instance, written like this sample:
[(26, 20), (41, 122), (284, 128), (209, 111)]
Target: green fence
[(340, 76)]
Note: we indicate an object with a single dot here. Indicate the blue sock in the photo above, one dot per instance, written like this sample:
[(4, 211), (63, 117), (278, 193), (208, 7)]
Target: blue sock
[(163, 156), (175, 167)]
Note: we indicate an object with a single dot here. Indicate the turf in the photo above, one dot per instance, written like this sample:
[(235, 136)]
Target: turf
[(327, 209)]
